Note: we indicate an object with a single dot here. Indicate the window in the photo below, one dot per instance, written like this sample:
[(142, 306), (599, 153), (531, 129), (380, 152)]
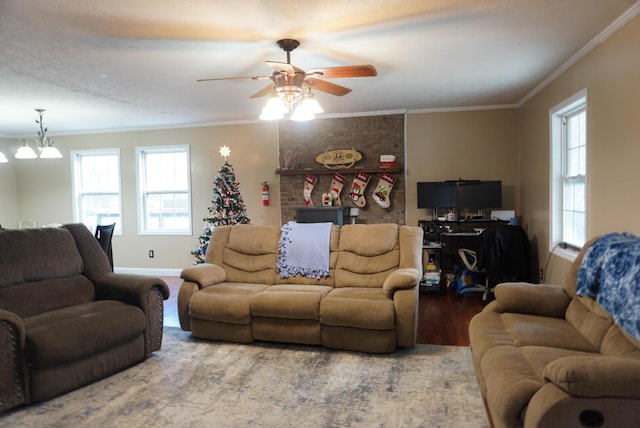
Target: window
[(164, 194), (569, 172), (96, 188)]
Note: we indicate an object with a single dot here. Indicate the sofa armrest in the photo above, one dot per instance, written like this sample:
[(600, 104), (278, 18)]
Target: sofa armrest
[(204, 274), (595, 376), (145, 292), (401, 279), (12, 361), (535, 299)]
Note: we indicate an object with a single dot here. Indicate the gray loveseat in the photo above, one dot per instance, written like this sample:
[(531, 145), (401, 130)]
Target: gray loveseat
[(66, 319)]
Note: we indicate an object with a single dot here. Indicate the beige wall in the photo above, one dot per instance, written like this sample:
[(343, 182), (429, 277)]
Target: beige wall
[(44, 186), (8, 192), (470, 145), (611, 74)]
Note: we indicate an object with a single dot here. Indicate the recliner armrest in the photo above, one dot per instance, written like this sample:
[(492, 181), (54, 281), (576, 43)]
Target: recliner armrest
[(204, 274), (534, 299), (595, 376), (131, 289), (12, 361), (401, 279)]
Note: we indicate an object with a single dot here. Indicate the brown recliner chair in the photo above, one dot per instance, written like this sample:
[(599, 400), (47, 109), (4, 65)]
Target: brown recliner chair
[(66, 319)]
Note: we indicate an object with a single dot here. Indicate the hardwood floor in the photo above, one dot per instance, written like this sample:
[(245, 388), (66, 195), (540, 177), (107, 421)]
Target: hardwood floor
[(443, 319)]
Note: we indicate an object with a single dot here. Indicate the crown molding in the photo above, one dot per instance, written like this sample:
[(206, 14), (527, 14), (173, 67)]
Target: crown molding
[(613, 28)]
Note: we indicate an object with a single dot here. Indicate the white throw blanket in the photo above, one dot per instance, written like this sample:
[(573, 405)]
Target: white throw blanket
[(304, 249)]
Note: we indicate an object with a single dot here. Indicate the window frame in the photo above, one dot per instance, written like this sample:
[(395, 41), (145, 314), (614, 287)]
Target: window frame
[(142, 193), (76, 180), (558, 148)]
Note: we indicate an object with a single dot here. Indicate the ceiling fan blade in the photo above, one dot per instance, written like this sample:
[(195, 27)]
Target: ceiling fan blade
[(366, 70), (262, 92), (323, 86), (234, 78), (281, 67)]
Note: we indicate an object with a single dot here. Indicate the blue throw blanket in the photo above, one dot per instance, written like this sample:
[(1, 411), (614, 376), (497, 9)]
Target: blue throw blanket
[(610, 274), (304, 249)]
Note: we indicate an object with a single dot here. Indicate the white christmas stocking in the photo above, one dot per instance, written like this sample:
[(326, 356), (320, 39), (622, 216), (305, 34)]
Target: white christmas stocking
[(383, 189), (360, 182), (336, 187), (309, 183)]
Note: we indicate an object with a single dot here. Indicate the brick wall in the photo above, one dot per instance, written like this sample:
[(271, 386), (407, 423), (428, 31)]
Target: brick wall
[(370, 135)]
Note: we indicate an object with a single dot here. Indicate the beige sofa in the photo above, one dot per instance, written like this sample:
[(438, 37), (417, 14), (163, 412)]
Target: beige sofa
[(546, 357), (368, 303)]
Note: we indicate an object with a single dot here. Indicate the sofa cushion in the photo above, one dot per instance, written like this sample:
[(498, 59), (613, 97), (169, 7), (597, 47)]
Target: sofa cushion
[(76, 332), (539, 356), (32, 298), (588, 317), (289, 301), (366, 308), (35, 254), (534, 330), (367, 255), (225, 302), (250, 254), (618, 343)]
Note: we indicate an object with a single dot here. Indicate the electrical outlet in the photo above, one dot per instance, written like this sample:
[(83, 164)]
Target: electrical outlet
[(151, 254), (541, 274)]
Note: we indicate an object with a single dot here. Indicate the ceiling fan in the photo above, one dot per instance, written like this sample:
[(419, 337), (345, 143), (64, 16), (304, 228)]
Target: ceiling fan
[(291, 86)]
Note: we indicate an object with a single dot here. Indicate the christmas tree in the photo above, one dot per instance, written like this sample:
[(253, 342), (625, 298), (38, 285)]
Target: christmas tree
[(228, 208)]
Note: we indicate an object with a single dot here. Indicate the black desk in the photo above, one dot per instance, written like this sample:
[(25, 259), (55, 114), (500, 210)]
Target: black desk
[(455, 235)]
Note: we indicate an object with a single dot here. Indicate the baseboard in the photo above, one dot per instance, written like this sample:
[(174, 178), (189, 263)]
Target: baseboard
[(149, 271)]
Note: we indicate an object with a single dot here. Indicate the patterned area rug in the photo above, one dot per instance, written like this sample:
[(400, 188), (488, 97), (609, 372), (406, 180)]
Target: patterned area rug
[(196, 383)]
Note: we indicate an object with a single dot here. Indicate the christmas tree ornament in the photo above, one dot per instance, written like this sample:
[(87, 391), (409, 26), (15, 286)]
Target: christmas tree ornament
[(360, 182), (309, 183), (383, 189), (337, 183), (225, 151)]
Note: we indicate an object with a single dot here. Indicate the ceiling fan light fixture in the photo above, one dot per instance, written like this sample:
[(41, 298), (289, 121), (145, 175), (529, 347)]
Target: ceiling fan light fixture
[(274, 109), (310, 104), (300, 114), (3, 158)]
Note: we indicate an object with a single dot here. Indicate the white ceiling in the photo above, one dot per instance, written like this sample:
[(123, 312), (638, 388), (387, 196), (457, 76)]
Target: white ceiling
[(133, 64)]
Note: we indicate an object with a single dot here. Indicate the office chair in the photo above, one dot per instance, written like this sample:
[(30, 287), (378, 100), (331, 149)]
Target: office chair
[(469, 259), (103, 235), (503, 255)]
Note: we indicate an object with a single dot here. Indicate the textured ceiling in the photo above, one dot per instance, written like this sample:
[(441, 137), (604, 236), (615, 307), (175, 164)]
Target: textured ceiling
[(133, 64)]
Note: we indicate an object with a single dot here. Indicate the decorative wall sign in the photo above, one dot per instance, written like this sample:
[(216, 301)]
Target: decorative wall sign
[(339, 158)]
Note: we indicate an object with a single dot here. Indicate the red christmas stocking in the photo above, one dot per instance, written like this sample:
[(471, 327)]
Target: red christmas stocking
[(309, 183), (336, 187), (383, 189), (360, 182)]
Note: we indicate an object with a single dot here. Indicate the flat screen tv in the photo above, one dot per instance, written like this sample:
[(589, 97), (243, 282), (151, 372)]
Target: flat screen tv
[(480, 194), (437, 194)]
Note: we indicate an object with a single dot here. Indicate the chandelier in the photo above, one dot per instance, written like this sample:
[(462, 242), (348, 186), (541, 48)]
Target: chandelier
[(290, 98), (43, 143)]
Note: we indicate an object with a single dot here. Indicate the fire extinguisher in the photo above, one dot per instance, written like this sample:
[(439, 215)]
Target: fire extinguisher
[(265, 193)]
